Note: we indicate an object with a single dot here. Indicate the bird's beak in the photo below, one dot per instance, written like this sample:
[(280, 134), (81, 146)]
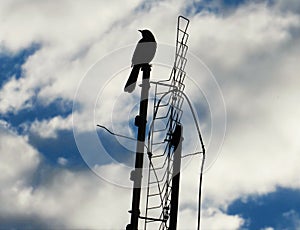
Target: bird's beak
[(140, 31)]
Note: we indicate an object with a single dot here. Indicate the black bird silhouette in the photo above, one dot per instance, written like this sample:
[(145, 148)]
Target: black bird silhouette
[(143, 54)]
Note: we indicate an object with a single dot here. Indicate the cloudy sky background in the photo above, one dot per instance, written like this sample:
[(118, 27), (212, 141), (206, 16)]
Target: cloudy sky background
[(47, 47)]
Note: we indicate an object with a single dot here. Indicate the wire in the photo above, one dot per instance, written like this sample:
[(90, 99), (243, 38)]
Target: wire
[(191, 154), (202, 163), (120, 135), (116, 134)]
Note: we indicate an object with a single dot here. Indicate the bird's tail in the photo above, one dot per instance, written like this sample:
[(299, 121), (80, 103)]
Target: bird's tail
[(131, 82)]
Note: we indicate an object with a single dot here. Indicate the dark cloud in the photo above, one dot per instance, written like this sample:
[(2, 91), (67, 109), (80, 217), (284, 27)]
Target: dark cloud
[(24, 223)]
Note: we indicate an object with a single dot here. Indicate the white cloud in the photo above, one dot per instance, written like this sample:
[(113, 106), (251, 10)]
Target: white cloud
[(293, 218), (20, 158), (288, 5), (212, 219), (81, 200), (18, 163), (228, 41), (49, 128), (62, 161), (8, 99), (268, 228), (56, 22), (63, 198)]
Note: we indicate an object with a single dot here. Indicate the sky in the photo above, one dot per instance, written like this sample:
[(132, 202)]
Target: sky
[(63, 65)]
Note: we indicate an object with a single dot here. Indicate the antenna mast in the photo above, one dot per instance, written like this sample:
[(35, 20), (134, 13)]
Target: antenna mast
[(164, 147), (136, 174)]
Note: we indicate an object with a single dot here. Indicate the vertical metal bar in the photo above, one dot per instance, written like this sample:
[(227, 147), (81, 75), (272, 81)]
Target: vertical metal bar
[(150, 142), (136, 174), (177, 141)]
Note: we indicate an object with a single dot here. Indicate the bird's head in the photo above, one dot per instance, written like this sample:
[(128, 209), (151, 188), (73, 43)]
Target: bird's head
[(147, 34)]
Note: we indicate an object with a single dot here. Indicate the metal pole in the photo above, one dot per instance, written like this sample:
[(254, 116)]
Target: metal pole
[(177, 142), (136, 174)]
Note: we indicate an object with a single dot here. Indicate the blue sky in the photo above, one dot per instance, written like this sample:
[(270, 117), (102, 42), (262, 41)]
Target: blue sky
[(11, 63), (250, 46), (277, 209)]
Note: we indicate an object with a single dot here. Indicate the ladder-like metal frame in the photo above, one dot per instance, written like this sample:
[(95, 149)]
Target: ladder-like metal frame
[(167, 111)]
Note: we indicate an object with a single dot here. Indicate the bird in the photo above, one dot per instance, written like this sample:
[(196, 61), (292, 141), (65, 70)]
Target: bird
[(143, 54)]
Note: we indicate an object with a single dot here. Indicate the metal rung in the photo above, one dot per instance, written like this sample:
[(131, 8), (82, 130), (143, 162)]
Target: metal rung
[(160, 93), (154, 207), (155, 194), (151, 219), (158, 143), (162, 117)]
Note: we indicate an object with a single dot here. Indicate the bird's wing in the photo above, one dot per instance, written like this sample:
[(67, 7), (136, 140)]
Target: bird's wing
[(144, 52)]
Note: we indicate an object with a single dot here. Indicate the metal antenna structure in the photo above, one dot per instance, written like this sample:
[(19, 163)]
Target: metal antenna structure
[(164, 144), (165, 141)]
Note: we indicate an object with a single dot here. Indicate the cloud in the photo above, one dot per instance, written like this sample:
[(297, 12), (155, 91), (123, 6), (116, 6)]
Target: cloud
[(229, 41), (9, 100), (87, 20), (289, 5), (293, 218), (62, 161), (212, 218), (267, 228), (18, 163), (65, 34), (61, 199), (49, 128)]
